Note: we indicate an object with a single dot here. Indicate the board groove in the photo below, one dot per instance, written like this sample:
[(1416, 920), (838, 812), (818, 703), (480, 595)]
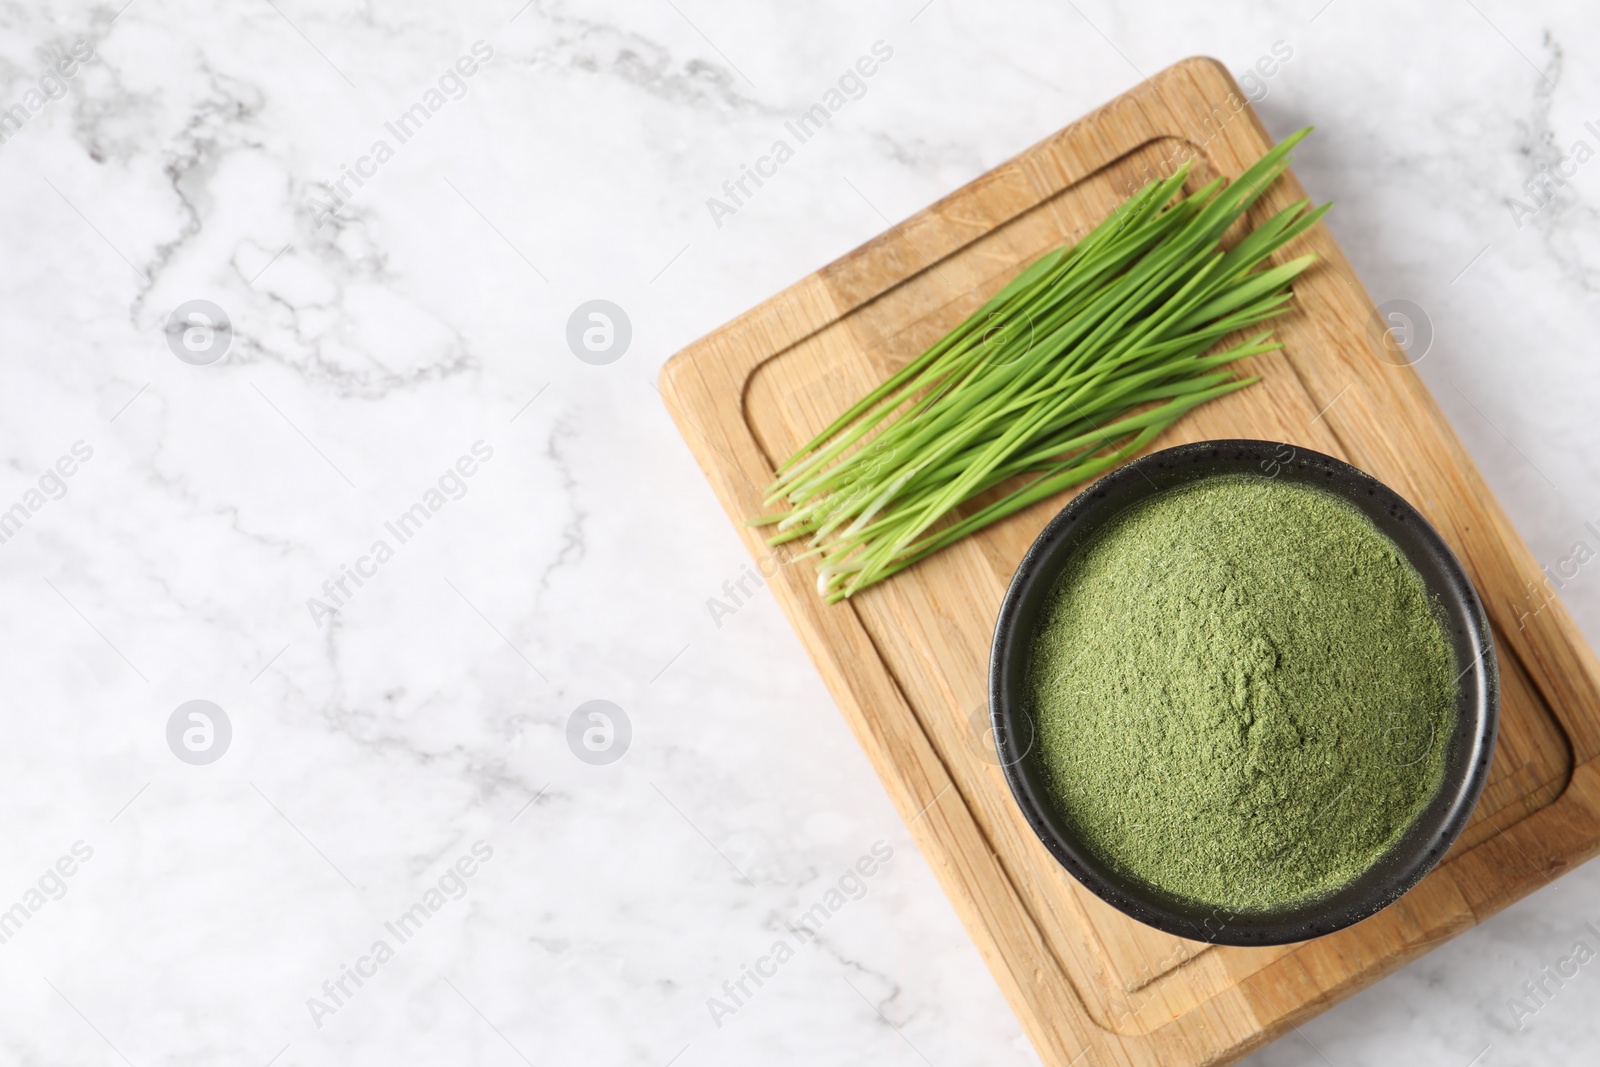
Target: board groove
[(906, 659)]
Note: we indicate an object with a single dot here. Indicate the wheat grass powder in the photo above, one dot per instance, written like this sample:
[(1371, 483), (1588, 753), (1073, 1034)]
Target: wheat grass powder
[(1243, 692)]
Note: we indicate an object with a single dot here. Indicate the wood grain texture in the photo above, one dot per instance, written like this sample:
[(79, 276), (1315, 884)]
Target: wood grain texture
[(906, 660)]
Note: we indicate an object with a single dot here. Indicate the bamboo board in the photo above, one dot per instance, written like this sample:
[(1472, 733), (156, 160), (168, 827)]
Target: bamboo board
[(906, 660)]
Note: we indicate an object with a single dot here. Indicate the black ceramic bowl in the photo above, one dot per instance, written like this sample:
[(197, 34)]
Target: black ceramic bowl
[(1470, 747)]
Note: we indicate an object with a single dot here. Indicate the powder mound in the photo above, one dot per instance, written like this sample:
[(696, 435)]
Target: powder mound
[(1244, 693)]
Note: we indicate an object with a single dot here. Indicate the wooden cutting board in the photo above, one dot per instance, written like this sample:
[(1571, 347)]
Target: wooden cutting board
[(906, 660)]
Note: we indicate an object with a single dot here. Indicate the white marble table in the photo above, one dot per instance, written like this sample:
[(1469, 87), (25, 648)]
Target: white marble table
[(397, 370)]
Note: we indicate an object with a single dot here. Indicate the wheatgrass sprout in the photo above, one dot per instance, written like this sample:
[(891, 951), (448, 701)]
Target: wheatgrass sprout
[(1076, 365)]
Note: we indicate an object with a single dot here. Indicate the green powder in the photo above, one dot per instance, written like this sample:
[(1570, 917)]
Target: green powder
[(1243, 693)]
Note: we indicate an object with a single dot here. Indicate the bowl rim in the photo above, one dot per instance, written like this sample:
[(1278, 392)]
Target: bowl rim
[(1418, 850)]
